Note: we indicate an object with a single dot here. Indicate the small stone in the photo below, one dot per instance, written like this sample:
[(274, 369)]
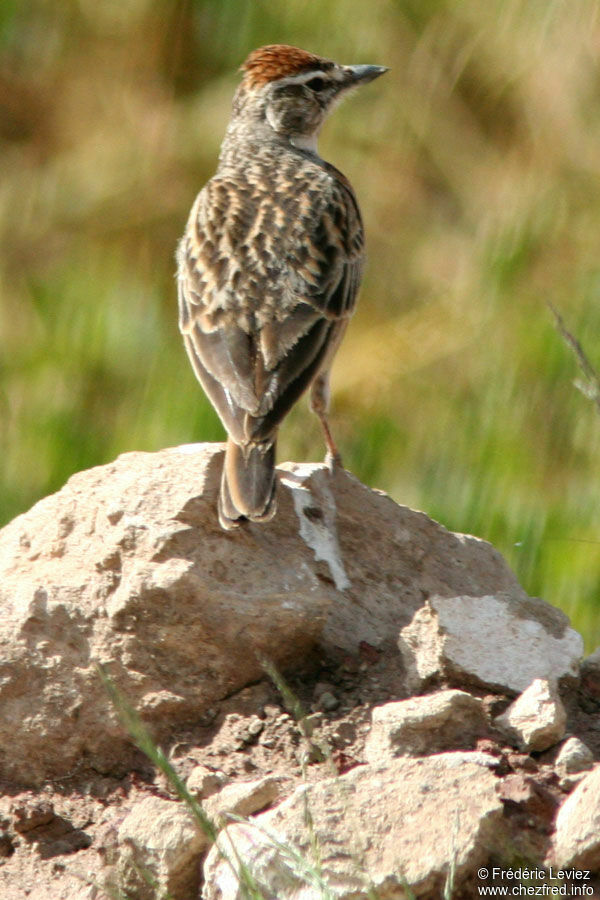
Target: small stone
[(328, 701), (419, 726), (203, 782), (574, 756), (522, 761), (159, 840), (567, 782), (255, 726), (537, 719), (242, 729), (31, 812), (527, 794), (487, 745), (577, 835), (244, 798)]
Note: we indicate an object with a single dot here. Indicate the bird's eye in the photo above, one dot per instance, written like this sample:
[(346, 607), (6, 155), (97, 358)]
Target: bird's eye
[(316, 84)]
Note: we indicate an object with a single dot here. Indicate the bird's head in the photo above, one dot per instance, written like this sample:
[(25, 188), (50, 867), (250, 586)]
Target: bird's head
[(292, 91)]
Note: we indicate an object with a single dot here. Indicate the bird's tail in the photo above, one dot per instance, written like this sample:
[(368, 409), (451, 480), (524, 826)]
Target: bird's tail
[(248, 483)]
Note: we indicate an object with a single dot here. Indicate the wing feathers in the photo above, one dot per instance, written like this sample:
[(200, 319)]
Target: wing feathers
[(228, 354), (259, 306)]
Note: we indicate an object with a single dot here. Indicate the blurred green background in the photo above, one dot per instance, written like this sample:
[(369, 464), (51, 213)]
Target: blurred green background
[(477, 164)]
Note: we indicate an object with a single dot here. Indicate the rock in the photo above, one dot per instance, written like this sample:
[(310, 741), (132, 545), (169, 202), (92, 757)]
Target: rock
[(159, 848), (446, 720), (537, 719), (243, 798), (203, 782), (160, 843), (325, 698), (567, 782), (242, 730), (521, 762), (328, 701), (255, 726), (528, 795), (502, 642), (127, 566), (28, 812), (574, 756), (577, 837), (359, 823)]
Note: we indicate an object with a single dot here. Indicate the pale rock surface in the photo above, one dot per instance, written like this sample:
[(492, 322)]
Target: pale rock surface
[(203, 782), (374, 829), (577, 836), (419, 726), (160, 839), (537, 718), (573, 757), (127, 566), (502, 641), (243, 798)]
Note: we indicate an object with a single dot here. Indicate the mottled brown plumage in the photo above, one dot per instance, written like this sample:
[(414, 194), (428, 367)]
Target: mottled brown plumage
[(269, 266)]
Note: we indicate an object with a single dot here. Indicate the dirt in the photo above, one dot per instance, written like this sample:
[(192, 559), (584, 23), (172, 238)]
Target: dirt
[(56, 839)]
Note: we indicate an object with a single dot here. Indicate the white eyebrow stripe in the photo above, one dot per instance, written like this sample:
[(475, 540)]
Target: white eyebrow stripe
[(303, 77)]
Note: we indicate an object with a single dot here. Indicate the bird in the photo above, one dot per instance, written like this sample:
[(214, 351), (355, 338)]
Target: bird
[(269, 267)]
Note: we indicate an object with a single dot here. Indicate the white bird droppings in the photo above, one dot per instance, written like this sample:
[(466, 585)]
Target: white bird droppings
[(316, 511)]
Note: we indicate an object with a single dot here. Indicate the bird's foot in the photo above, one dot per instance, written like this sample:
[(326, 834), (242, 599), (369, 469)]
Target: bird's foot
[(333, 461)]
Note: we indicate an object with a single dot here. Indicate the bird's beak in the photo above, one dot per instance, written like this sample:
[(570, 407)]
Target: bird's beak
[(364, 74)]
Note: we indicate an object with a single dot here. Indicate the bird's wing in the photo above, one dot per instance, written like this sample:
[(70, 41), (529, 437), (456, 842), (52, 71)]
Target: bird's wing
[(265, 284)]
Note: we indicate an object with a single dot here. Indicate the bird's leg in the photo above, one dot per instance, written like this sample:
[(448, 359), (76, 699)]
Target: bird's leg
[(319, 403), (333, 457)]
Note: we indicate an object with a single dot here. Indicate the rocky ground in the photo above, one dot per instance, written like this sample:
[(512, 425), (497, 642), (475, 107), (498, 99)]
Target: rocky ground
[(439, 724)]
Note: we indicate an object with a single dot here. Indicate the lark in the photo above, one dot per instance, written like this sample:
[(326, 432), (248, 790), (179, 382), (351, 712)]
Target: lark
[(269, 267)]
